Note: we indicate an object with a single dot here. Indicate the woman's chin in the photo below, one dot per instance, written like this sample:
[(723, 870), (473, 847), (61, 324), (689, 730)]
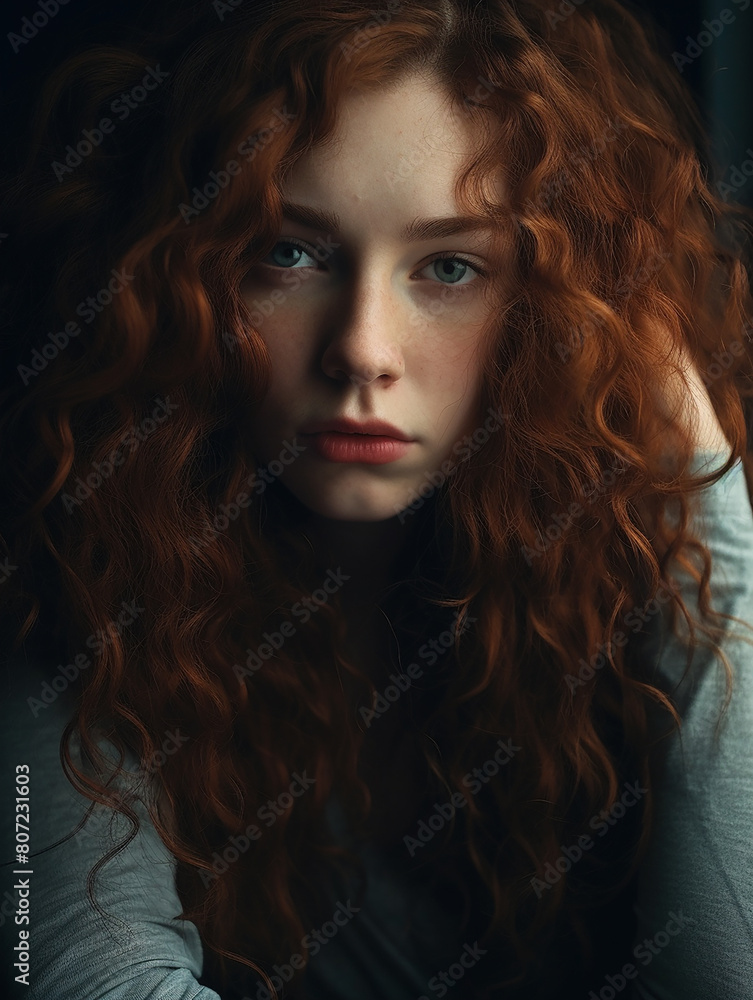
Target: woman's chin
[(374, 504)]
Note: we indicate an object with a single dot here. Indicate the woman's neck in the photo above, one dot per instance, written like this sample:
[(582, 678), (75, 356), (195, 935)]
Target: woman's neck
[(366, 552)]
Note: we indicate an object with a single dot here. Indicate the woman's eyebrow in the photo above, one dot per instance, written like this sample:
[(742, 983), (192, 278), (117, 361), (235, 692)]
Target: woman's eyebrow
[(416, 231)]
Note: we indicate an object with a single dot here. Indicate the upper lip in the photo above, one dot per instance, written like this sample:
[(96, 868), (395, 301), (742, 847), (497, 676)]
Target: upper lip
[(345, 426)]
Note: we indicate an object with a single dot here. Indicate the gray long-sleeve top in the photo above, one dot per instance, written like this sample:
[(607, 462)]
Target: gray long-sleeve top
[(695, 892)]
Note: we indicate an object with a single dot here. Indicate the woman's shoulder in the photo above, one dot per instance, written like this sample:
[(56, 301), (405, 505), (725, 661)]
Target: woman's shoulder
[(722, 519), (694, 904), (38, 699), (135, 943)]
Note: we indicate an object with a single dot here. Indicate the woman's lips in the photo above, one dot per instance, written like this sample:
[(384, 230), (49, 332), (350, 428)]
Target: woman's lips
[(371, 449)]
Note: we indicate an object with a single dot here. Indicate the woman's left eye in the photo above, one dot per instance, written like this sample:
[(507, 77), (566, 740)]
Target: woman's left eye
[(287, 254), (455, 269)]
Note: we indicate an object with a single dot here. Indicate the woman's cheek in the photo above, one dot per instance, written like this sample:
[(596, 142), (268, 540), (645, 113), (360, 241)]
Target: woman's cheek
[(453, 313), (292, 280)]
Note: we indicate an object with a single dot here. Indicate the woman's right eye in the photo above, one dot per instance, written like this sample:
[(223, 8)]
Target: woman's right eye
[(287, 254)]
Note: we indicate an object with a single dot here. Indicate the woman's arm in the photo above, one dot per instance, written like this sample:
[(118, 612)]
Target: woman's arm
[(143, 951), (695, 895)]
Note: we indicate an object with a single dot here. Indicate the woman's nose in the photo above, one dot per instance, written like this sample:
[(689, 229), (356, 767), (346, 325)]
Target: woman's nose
[(365, 342)]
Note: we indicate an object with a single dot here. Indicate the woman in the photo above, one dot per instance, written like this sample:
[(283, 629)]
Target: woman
[(396, 420)]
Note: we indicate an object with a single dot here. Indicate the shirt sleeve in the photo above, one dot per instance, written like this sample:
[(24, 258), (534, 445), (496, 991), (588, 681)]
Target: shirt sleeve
[(139, 950), (694, 904)]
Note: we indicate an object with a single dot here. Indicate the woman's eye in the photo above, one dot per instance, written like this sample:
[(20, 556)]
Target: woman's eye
[(454, 269), (287, 254), (447, 270)]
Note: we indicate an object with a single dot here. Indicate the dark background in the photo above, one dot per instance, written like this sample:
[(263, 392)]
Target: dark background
[(720, 70), (720, 73)]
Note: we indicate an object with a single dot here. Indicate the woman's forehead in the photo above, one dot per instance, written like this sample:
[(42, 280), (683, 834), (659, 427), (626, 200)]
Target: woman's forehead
[(397, 151)]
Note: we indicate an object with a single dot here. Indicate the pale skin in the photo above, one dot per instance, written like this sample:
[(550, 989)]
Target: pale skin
[(373, 326), (377, 329), (696, 409)]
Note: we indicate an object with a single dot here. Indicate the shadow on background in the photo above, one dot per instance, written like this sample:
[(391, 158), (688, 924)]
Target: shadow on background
[(709, 41)]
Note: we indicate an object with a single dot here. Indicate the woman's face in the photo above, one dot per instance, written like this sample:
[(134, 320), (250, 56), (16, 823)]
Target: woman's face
[(362, 320)]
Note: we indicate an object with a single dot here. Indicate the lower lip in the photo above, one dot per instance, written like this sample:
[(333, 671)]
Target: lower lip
[(368, 448)]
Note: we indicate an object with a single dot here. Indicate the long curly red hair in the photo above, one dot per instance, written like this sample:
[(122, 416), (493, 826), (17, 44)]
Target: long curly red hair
[(615, 232)]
